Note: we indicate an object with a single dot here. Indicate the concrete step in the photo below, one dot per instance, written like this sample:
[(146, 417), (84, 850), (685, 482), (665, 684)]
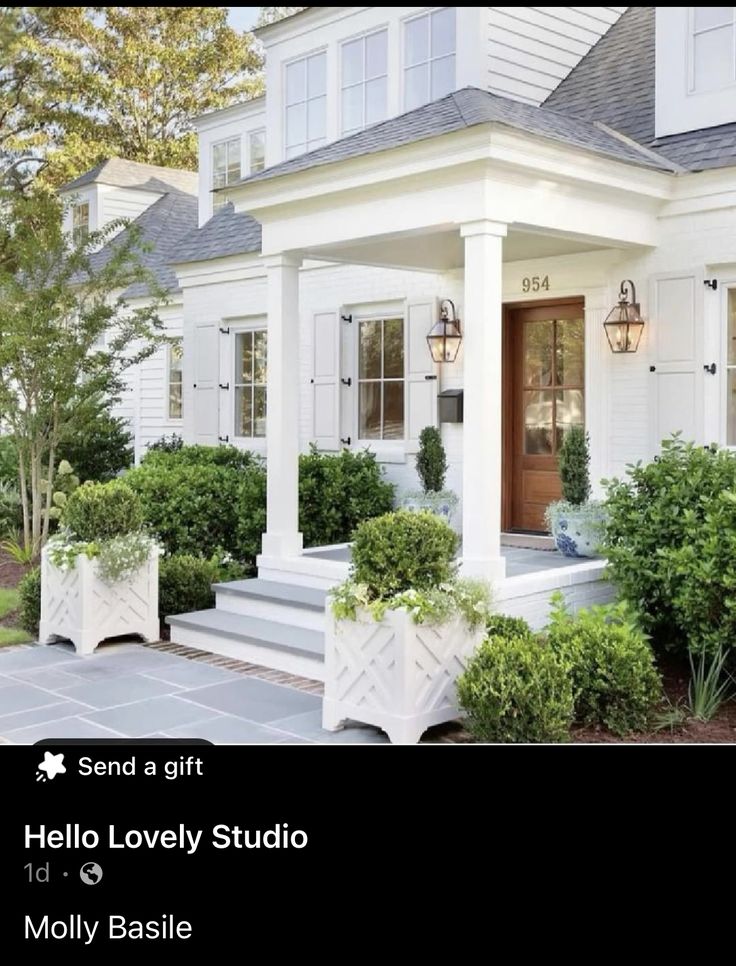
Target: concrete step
[(273, 644), (272, 600)]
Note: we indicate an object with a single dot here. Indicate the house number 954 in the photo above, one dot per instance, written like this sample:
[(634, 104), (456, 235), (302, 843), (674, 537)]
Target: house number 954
[(535, 283)]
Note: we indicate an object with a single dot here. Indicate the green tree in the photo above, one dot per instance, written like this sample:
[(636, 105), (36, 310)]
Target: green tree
[(272, 14), (58, 299)]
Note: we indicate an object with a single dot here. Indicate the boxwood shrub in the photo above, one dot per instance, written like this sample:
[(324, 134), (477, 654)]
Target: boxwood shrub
[(185, 582), (102, 511), (29, 592)]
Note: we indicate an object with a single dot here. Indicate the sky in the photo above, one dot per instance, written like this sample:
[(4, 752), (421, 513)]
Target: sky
[(243, 18)]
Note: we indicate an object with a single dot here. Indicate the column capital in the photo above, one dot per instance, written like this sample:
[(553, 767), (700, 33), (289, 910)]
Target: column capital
[(282, 260), (483, 227)]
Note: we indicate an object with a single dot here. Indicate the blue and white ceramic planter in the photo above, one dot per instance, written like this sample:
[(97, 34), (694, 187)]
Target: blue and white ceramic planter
[(442, 504), (576, 530)]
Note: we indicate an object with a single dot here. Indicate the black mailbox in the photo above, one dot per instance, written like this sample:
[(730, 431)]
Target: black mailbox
[(451, 406)]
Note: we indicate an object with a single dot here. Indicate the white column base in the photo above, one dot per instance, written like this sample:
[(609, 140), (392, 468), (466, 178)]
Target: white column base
[(282, 544), (490, 569)]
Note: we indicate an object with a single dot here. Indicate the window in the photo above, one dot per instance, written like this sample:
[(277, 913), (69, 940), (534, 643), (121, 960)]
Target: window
[(306, 104), (175, 356), (429, 57), (80, 222), (731, 370), (250, 384), (713, 60), (257, 151), (225, 169), (364, 81), (553, 393), (381, 379)]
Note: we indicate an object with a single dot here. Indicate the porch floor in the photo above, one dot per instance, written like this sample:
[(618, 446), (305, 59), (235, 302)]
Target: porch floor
[(519, 562)]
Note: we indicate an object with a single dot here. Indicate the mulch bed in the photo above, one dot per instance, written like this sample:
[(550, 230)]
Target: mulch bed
[(10, 571)]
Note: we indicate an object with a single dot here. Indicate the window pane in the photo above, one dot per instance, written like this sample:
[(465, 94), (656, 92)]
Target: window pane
[(175, 401), (352, 109), (443, 32), (257, 152), (570, 412), (317, 75), (417, 86), (219, 158), (243, 412), (732, 327), (317, 119), (233, 161), (393, 349), (731, 407), (538, 423), (538, 344), (259, 357), (417, 41), (296, 124), (570, 353), (244, 369), (376, 94), (443, 77), (296, 75), (393, 410), (714, 59), (712, 17), (376, 54), (259, 412), (352, 62), (295, 149), (370, 410), (370, 350)]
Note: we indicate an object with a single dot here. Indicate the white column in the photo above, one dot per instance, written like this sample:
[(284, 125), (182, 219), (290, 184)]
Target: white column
[(482, 352), (282, 537)]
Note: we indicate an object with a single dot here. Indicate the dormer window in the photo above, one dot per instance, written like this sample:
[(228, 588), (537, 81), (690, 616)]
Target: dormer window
[(80, 222), (306, 104), (429, 57), (713, 52), (364, 81), (256, 151), (225, 169)]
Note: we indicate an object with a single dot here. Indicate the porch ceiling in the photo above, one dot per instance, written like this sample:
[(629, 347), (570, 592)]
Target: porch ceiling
[(443, 250)]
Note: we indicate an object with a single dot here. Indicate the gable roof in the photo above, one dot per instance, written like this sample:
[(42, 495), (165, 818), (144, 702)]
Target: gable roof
[(133, 174), (615, 83), (467, 108), (226, 233), (163, 226)]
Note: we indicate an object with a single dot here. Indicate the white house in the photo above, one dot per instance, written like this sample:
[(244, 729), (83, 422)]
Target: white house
[(520, 162)]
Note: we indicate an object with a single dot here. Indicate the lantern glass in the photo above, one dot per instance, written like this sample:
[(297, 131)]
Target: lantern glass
[(444, 341), (624, 324)]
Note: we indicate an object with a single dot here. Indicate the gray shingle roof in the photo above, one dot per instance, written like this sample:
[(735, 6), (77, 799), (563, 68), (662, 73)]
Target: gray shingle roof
[(226, 233), (464, 109), (133, 174), (163, 225), (615, 83)]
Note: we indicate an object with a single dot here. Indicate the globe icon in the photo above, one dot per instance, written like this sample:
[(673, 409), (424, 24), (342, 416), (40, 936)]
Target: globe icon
[(90, 873)]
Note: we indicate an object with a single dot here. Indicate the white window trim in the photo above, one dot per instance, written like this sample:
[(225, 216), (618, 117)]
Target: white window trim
[(403, 66), (251, 135), (383, 28), (691, 34), (176, 420), (288, 63), (216, 144), (726, 286), (386, 450), (256, 444)]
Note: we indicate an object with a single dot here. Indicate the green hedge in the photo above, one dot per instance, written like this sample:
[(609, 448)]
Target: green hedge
[(185, 583), (29, 591)]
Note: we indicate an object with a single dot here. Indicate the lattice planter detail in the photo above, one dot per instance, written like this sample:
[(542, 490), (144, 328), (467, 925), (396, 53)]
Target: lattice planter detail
[(394, 674), (77, 604)]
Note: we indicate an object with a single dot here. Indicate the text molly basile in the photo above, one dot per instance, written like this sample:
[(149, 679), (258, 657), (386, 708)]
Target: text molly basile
[(279, 836)]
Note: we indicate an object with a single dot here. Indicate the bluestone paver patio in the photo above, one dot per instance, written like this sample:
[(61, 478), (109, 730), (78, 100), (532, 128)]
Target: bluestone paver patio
[(131, 691)]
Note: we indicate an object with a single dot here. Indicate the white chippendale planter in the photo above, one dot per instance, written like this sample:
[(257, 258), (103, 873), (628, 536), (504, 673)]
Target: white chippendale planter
[(396, 675), (78, 605)]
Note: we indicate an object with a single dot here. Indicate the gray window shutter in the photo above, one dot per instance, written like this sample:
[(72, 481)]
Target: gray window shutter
[(326, 380), (421, 371)]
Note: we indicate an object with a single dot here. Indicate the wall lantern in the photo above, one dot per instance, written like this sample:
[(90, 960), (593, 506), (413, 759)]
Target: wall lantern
[(445, 337), (624, 324)]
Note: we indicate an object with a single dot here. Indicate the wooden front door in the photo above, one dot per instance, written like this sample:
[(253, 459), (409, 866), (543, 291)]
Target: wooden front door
[(543, 397)]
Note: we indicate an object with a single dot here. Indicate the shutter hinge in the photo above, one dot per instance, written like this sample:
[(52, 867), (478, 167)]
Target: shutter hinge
[(224, 385), (346, 442), (225, 329), (347, 318), (711, 368), (431, 378), (712, 284), (347, 382), (224, 439), (652, 368)]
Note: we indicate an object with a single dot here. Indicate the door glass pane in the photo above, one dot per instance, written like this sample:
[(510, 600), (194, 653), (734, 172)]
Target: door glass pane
[(376, 55), (259, 411), (417, 41), (538, 347), (370, 410), (416, 86), (244, 371), (352, 62), (538, 433), (393, 410), (570, 411), (259, 357), (370, 351), (732, 327), (393, 349), (570, 353), (243, 412)]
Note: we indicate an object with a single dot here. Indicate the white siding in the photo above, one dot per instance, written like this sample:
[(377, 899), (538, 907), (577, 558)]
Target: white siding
[(126, 203), (532, 49)]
